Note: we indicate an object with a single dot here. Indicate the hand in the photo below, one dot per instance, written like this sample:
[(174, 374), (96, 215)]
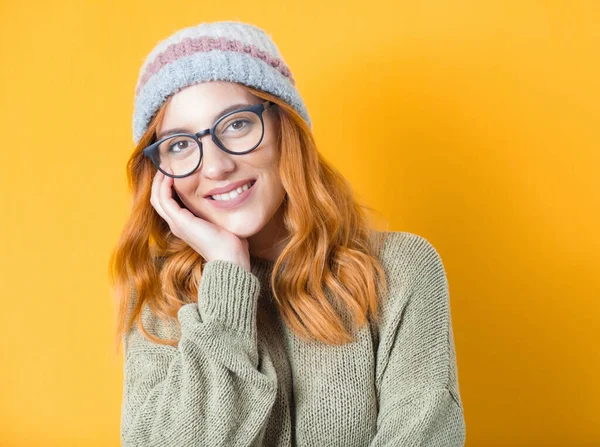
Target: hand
[(209, 240)]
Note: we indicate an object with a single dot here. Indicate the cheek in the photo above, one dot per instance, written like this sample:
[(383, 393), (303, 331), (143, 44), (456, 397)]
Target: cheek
[(186, 188), (273, 191), (267, 161)]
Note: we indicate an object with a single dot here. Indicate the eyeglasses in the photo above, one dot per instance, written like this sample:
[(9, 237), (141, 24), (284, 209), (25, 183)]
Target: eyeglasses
[(237, 132)]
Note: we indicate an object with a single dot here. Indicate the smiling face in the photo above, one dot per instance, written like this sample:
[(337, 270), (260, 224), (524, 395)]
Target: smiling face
[(196, 108)]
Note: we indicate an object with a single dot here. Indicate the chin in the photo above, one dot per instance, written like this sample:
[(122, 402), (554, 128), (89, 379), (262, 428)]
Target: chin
[(244, 224), (242, 229)]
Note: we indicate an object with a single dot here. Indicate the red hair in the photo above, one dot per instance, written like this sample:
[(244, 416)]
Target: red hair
[(150, 266)]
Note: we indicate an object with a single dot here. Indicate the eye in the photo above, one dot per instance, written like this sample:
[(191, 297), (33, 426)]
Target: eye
[(181, 145), (237, 124)]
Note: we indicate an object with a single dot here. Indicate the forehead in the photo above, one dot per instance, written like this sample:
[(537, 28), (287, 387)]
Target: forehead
[(196, 105)]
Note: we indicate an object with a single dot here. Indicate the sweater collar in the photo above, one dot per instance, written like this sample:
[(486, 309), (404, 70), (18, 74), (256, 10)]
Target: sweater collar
[(262, 268)]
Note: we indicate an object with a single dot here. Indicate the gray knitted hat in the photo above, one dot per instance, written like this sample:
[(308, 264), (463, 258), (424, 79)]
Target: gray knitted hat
[(227, 50)]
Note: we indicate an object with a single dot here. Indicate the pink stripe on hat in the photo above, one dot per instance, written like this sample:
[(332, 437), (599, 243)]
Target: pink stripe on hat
[(191, 45)]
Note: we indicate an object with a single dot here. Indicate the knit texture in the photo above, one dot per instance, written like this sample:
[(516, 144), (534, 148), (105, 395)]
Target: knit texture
[(240, 377), (228, 50)]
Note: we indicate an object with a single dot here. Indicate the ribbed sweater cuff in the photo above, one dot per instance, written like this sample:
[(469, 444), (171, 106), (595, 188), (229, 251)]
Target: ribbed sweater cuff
[(228, 293)]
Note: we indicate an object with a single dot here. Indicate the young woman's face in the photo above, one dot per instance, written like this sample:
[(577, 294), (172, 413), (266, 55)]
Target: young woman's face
[(196, 108)]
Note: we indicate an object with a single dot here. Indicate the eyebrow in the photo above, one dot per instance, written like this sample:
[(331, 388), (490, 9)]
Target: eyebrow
[(175, 130)]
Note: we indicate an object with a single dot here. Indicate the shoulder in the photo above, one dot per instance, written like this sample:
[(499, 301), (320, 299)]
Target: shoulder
[(410, 257), (415, 276)]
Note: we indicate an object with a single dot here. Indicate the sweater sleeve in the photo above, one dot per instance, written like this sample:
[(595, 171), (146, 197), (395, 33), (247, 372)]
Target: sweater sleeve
[(214, 387), (418, 394)]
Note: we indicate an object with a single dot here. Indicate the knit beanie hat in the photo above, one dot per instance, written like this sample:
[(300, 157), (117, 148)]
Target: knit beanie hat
[(226, 50)]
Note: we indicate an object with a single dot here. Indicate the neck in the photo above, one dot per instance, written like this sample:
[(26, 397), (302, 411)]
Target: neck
[(270, 241)]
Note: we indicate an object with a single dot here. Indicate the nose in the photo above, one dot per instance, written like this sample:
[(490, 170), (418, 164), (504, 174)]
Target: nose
[(215, 162)]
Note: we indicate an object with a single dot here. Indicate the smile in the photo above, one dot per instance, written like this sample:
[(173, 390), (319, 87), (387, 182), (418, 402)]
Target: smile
[(233, 198), (233, 194)]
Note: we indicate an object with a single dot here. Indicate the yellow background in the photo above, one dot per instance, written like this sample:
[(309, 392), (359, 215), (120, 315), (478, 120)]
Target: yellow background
[(472, 123)]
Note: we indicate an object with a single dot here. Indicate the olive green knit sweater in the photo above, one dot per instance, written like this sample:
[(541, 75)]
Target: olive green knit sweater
[(239, 380)]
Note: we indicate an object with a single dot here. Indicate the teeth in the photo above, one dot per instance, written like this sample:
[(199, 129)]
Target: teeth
[(232, 194)]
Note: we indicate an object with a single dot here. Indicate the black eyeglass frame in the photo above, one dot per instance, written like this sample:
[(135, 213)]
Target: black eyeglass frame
[(152, 151)]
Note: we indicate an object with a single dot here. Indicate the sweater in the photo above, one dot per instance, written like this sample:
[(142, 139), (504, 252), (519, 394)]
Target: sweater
[(236, 380)]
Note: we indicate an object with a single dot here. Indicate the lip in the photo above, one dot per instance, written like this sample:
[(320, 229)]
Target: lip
[(233, 203), (228, 188)]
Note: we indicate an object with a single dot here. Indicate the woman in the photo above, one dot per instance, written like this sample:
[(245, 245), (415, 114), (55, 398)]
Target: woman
[(256, 306)]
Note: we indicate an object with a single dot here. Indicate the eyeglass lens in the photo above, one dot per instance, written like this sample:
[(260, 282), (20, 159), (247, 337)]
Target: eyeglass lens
[(238, 132)]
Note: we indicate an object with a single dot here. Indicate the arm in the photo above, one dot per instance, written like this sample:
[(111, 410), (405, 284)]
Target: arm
[(210, 388), (417, 376)]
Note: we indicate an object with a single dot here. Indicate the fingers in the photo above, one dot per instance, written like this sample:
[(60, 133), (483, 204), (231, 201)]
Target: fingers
[(181, 221), (176, 216), (198, 233), (170, 207)]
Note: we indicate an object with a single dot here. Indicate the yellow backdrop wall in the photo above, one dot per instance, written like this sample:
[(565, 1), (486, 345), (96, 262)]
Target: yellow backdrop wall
[(474, 124)]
